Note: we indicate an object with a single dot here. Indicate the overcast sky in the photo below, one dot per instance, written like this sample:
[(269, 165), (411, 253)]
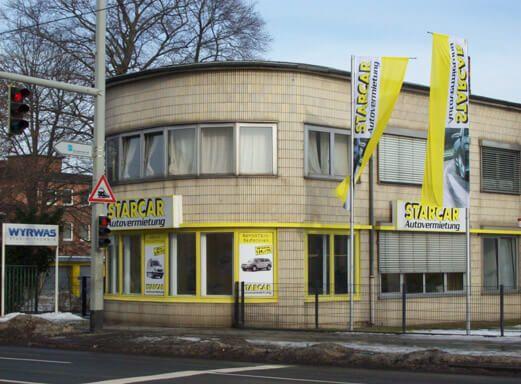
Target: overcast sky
[(328, 32)]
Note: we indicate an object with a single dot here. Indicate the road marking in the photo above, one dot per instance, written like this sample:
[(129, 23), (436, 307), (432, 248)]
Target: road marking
[(18, 382), (35, 360), (175, 375), (284, 378)]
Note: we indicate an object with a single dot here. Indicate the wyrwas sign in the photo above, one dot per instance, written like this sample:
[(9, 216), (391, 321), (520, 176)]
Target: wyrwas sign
[(146, 213), (412, 216), (30, 234)]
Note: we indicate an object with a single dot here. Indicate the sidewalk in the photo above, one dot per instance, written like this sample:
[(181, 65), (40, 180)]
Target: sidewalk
[(434, 353)]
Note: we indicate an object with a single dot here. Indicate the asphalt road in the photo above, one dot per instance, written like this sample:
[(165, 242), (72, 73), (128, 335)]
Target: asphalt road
[(32, 365)]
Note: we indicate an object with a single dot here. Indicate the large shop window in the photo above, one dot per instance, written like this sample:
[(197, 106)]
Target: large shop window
[(217, 263), (401, 159), (113, 267), (132, 264), (223, 149), (326, 152), (182, 264), (500, 262), (320, 263), (500, 170), (424, 262)]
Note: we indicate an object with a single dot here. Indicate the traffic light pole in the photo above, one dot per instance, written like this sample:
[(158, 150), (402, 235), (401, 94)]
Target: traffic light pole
[(98, 154), (96, 289)]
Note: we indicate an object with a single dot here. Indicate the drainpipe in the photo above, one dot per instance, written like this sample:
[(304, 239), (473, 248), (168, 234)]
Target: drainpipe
[(371, 242)]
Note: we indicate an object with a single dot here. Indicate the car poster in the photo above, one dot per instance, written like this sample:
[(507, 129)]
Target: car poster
[(256, 263), (155, 249)]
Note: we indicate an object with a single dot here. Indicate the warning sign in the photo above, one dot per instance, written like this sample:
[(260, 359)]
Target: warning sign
[(102, 193)]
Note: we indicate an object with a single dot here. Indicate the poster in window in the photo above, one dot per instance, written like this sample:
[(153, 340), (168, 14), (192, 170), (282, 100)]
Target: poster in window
[(155, 249), (256, 263)]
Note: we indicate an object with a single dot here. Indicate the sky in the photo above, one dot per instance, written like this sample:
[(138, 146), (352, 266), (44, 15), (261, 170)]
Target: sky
[(328, 32)]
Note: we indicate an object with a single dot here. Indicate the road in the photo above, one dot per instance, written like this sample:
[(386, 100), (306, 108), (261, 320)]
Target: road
[(33, 365)]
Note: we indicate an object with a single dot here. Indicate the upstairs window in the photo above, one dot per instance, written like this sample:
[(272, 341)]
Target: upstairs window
[(182, 151), (401, 159), (154, 154), (131, 155), (111, 158), (327, 152), (217, 150), (67, 198), (256, 150), (500, 170)]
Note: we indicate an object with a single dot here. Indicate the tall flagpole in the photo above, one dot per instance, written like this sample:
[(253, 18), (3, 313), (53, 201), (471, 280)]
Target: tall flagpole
[(467, 238), (351, 203)]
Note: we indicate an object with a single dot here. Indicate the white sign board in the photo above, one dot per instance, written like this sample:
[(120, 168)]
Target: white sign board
[(412, 216), (155, 250), (256, 262), (71, 148), (30, 234), (146, 213)]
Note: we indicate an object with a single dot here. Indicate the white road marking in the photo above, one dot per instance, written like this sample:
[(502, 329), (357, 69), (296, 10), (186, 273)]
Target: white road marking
[(285, 378), (175, 375), (35, 360), (18, 382)]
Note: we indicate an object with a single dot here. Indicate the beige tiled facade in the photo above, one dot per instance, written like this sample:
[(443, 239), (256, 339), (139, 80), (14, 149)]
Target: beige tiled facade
[(291, 97)]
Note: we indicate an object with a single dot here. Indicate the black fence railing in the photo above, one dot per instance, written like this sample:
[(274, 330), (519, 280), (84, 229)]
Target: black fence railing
[(492, 310)]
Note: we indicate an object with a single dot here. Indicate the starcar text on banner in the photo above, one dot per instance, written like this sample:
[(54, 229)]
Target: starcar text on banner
[(376, 85), (447, 167)]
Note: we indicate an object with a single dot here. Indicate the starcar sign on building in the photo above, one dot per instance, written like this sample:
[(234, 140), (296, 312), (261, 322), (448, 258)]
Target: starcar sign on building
[(146, 213), (412, 216)]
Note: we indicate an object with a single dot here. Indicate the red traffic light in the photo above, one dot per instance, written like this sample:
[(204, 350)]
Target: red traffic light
[(19, 94), (18, 108), (103, 221)]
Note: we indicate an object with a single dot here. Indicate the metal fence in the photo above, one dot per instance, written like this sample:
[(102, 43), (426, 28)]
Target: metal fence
[(31, 291), (492, 311)]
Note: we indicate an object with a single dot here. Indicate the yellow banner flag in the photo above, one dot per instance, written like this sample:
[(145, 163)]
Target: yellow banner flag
[(446, 177), (376, 84)]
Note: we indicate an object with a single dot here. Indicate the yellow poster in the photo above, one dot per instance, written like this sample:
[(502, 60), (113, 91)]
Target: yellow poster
[(155, 254)]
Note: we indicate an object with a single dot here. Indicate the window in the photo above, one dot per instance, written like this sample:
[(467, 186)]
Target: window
[(327, 152), (256, 150), (318, 264), (67, 234), (67, 198), (182, 264), (113, 266), (401, 159), (131, 163), (154, 154), (500, 170), (500, 262), (84, 232), (217, 263), (111, 158), (182, 151), (422, 283), (217, 150), (132, 264), (50, 197), (328, 264)]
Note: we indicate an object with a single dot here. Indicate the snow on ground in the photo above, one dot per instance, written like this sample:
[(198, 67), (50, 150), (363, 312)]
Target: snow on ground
[(510, 331), (9, 316), (60, 316)]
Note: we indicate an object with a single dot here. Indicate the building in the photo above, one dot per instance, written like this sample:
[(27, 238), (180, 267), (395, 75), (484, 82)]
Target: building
[(37, 182), (226, 172)]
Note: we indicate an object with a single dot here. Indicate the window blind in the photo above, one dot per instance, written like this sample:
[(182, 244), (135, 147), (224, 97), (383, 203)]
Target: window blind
[(500, 170), (401, 159)]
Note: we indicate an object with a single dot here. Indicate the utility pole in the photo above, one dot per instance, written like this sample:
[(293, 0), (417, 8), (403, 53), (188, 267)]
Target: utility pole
[(98, 160)]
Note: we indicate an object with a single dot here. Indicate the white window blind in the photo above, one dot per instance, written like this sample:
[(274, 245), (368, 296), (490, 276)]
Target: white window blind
[(500, 170), (401, 159), (407, 252)]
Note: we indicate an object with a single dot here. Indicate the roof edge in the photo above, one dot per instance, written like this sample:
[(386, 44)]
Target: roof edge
[(278, 66)]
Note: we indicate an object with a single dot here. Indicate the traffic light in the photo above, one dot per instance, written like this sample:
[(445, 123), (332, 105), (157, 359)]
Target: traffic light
[(18, 107), (103, 232)]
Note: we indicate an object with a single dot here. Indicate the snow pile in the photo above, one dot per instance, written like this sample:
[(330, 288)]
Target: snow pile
[(9, 316), (510, 331), (60, 316)]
